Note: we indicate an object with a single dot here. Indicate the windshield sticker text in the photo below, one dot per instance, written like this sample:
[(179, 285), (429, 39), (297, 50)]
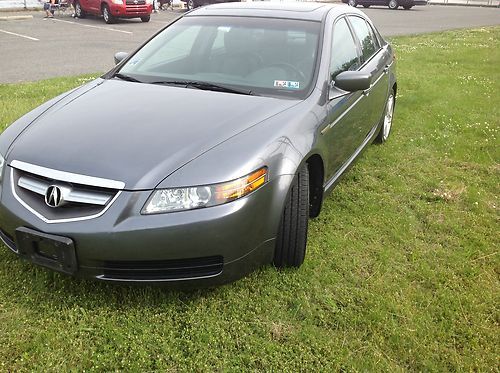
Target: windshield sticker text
[(286, 84)]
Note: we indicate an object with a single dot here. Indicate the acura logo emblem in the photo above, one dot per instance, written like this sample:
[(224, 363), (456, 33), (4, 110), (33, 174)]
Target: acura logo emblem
[(53, 196)]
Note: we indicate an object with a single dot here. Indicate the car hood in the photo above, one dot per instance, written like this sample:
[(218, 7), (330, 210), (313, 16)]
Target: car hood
[(137, 133)]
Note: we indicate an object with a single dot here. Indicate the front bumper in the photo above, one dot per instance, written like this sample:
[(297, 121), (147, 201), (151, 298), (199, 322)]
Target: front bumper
[(412, 2), (130, 10), (419, 2), (228, 240)]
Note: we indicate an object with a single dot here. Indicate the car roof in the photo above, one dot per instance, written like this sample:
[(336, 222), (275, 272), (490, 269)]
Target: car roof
[(309, 11)]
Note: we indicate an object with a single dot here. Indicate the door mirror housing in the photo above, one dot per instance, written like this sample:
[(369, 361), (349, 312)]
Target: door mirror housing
[(353, 81), (120, 56)]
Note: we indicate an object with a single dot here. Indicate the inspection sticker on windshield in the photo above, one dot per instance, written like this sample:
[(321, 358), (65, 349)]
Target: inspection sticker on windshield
[(286, 84)]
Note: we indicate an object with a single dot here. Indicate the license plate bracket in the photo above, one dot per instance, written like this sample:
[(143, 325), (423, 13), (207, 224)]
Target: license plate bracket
[(48, 250)]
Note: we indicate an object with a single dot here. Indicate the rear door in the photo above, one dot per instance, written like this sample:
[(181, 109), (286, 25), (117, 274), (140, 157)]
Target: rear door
[(90, 6)]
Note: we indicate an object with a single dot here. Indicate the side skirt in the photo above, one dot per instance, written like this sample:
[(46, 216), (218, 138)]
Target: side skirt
[(328, 187)]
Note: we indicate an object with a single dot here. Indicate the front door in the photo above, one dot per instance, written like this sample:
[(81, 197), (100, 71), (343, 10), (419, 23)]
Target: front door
[(346, 111)]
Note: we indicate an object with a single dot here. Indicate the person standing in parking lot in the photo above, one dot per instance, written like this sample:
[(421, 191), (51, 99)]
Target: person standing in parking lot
[(47, 6)]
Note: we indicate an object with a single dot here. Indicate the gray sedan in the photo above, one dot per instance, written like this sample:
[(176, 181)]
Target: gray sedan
[(202, 155)]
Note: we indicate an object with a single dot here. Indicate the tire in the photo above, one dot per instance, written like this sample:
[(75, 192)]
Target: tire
[(386, 121), (393, 4), (190, 5), (108, 18), (352, 3), (291, 242), (366, 6), (79, 12), (407, 7), (145, 19)]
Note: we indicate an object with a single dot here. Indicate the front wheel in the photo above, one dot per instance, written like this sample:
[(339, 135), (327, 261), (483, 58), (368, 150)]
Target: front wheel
[(145, 19), (353, 3), (292, 235), (385, 130), (393, 4), (106, 14)]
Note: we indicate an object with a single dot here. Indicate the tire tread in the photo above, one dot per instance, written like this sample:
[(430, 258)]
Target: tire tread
[(292, 236)]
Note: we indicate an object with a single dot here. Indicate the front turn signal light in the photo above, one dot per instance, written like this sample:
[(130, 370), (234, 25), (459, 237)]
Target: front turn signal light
[(189, 198)]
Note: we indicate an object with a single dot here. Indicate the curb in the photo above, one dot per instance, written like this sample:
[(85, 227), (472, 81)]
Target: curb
[(15, 18)]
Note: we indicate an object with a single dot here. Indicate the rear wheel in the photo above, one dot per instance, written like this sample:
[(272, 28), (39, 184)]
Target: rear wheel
[(78, 10), (393, 4), (385, 129), (190, 5), (145, 19), (292, 235), (106, 14), (353, 3)]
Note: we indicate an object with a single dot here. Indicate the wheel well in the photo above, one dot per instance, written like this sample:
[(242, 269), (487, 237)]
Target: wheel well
[(316, 174)]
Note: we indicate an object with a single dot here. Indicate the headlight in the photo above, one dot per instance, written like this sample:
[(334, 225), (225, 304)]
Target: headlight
[(119, 2), (2, 164), (177, 199)]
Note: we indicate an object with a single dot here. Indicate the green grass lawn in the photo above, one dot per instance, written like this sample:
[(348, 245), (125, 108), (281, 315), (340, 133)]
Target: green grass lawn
[(402, 269)]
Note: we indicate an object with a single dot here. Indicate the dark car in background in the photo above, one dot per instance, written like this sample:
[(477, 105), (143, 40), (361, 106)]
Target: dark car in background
[(392, 4), (264, 106), (191, 4)]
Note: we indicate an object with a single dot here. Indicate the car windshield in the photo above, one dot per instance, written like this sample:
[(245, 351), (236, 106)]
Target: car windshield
[(262, 56)]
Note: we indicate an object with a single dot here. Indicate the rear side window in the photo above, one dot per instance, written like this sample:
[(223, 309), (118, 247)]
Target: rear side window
[(344, 51), (366, 36)]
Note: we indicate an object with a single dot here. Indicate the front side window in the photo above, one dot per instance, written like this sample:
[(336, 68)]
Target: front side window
[(366, 36), (344, 56), (261, 55)]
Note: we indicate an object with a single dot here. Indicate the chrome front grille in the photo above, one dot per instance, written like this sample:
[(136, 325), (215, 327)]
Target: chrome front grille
[(79, 197), (74, 193)]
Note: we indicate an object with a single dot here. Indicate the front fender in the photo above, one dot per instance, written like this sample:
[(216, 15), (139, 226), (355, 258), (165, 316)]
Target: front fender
[(282, 143)]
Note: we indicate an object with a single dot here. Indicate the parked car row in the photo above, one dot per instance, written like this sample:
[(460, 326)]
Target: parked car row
[(111, 10)]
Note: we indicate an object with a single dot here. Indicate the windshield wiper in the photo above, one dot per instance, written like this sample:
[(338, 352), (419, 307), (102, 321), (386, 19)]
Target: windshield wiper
[(128, 78), (205, 86)]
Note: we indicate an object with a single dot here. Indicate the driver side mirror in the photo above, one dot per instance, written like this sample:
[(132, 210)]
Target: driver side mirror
[(352, 81), (120, 56)]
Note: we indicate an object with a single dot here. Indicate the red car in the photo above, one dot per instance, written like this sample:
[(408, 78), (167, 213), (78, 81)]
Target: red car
[(113, 9)]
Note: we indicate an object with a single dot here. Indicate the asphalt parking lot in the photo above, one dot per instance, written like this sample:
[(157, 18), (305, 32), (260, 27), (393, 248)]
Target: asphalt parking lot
[(36, 48)]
